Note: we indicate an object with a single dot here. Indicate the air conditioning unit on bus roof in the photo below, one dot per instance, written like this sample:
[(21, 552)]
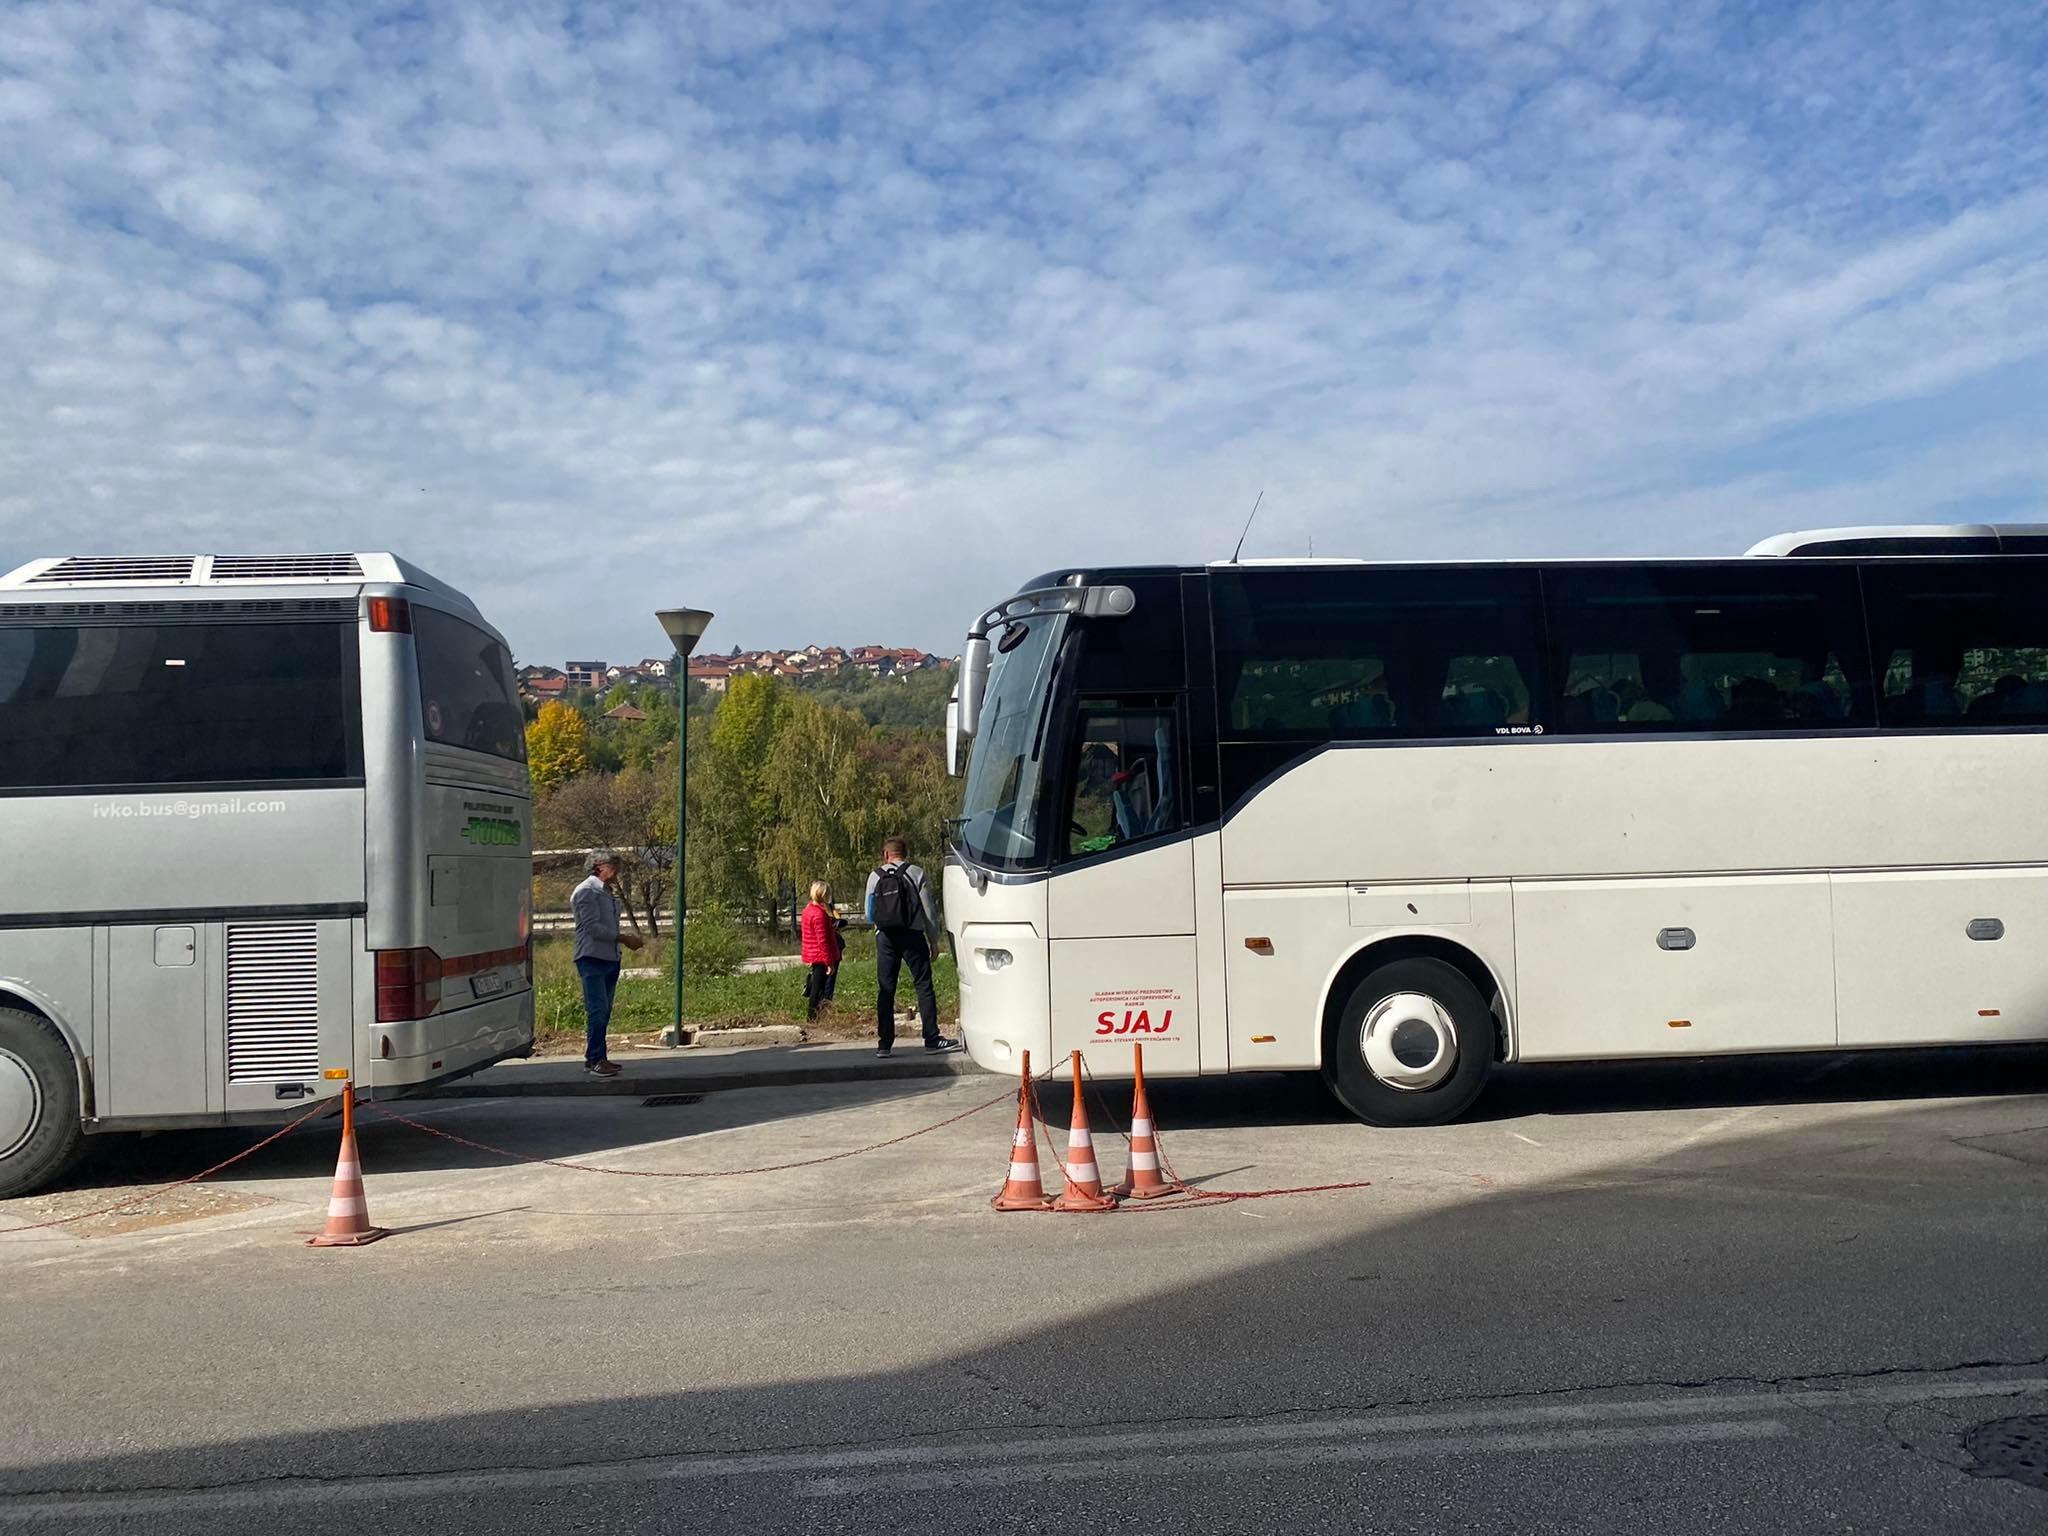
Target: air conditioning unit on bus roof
[(211, 570)]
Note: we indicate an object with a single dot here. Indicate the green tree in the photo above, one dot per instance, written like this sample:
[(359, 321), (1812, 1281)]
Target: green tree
[(912, 701), (557, 745), (640, 742), (737, 804), (917, 798), (823, 783)]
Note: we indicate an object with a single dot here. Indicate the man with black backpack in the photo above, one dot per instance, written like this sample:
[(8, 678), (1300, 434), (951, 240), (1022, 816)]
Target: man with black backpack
[(906, 923)]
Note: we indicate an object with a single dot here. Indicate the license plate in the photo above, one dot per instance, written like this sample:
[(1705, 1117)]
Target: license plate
[(487, 986)]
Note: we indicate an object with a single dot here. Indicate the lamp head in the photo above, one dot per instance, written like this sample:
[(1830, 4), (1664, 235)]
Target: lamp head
[(684, 627)]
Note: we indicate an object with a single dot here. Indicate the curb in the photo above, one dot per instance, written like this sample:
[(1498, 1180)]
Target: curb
[(640, 1080)]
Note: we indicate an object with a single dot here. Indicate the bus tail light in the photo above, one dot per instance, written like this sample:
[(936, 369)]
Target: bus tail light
[(408, 984), (390, 616)]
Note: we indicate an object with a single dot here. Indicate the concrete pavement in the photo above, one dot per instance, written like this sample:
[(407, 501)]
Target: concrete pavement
[(704, 1069), (1686, 1299)]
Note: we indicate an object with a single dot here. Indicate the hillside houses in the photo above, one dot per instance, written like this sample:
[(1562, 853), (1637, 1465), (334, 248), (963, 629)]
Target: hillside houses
[(717, 672), (542, 683)]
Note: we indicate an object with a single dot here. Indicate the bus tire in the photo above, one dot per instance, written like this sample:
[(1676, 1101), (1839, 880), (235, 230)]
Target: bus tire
[(41, 1137), (1411, 1045)]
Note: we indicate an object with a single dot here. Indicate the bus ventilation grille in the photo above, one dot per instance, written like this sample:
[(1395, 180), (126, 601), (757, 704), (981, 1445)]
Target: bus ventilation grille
[(273, 1002), (119, 569), (283, 567)]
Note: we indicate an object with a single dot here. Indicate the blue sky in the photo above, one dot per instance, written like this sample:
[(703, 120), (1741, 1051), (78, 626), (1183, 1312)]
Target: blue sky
[(842, 320)]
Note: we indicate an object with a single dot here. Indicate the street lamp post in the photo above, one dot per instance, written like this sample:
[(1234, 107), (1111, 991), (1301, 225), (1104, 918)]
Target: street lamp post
[(684, 628)]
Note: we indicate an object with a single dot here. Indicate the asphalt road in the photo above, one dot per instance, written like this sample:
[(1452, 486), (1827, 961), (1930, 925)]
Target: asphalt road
[(1679, 1299)]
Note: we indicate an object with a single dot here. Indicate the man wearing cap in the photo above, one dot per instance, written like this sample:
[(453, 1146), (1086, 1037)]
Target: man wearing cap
[(598, 939)]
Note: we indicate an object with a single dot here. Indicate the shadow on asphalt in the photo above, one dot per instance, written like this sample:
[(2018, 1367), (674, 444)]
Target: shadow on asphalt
[(577, 1129), (1594, 1088), (589, 1128), (1863, 1244)]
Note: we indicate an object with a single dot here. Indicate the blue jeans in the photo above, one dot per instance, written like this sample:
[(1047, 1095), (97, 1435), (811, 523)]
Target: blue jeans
[(600, 982)]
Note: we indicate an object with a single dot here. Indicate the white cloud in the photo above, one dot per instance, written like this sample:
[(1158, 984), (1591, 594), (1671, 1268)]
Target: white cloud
[(823, 320)]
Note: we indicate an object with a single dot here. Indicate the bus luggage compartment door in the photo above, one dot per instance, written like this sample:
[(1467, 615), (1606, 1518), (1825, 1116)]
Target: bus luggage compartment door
[(1124, 962), (1695, 966), (156, 1022)]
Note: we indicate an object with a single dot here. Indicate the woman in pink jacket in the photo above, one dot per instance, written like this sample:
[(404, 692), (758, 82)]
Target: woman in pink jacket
[(822, 948)]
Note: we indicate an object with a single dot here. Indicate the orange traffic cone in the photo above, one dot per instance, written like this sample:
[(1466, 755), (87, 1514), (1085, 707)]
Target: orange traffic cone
[(1143, 1182), (1084, 1179), (348, 1208), (1023, 1190)]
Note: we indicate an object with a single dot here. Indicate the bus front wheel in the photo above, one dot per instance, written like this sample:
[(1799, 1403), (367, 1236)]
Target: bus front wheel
[(40, 1134), (1411, 1046)]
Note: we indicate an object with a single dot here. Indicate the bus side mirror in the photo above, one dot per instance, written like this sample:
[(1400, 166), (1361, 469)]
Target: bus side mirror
[(973, 682)]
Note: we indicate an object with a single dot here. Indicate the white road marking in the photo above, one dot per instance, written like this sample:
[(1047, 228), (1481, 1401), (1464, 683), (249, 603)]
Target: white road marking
[(1718, 1125), (1530, 1139), (1551, 1426), (1276, 1458)]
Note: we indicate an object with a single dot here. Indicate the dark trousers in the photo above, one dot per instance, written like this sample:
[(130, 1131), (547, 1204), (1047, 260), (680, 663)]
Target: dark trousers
[(817, 988), (600, 985), (894, 949)]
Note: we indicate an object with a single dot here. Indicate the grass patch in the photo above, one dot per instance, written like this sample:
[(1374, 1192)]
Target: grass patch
[(771, 997)]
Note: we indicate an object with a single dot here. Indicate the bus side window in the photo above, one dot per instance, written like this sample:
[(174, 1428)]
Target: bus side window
[(1483, 692), (1965, 643), (1364, 655), (1126, 775), (1654, 650)]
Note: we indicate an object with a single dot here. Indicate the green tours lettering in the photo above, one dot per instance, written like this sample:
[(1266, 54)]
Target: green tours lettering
[(491, 832)]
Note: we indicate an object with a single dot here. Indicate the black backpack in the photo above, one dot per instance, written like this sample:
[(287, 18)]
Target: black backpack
[(896, 898)]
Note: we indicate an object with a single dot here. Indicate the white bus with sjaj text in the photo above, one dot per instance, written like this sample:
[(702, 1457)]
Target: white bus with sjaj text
[(1400, 823), (267, 826)]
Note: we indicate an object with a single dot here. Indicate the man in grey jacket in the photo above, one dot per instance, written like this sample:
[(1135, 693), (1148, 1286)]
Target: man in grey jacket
[(598, 939), (906, 920)]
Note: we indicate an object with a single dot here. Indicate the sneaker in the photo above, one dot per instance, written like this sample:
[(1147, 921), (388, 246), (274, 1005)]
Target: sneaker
[(886, 1052), (941, 1045), (601, 1068)]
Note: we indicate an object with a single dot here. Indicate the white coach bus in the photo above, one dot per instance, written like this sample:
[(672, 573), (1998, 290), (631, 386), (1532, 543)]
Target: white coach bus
[(1398, 823), (265, 819)]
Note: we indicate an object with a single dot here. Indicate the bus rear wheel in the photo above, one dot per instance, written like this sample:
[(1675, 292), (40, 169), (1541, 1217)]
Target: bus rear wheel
[(1411, 1046), (40, 1134)]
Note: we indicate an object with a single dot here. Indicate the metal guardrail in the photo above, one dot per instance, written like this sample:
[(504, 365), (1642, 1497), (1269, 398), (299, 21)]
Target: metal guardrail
[(563, 922)]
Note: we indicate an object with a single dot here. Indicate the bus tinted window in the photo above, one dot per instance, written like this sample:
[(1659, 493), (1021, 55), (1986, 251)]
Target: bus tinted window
[(103, 706), (1317, 655), (1142, 649), (468, 694), (1656, 650), (1126, 775), (1962, 643)]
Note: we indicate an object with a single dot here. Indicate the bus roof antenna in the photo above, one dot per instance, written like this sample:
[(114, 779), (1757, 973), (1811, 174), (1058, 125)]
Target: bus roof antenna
[(1247, 529)]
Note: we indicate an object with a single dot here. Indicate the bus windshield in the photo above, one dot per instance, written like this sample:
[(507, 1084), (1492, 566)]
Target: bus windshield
[(1000, 811)]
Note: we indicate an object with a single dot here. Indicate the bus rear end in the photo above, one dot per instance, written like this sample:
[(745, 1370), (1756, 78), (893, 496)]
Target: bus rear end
[(449, 812)]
